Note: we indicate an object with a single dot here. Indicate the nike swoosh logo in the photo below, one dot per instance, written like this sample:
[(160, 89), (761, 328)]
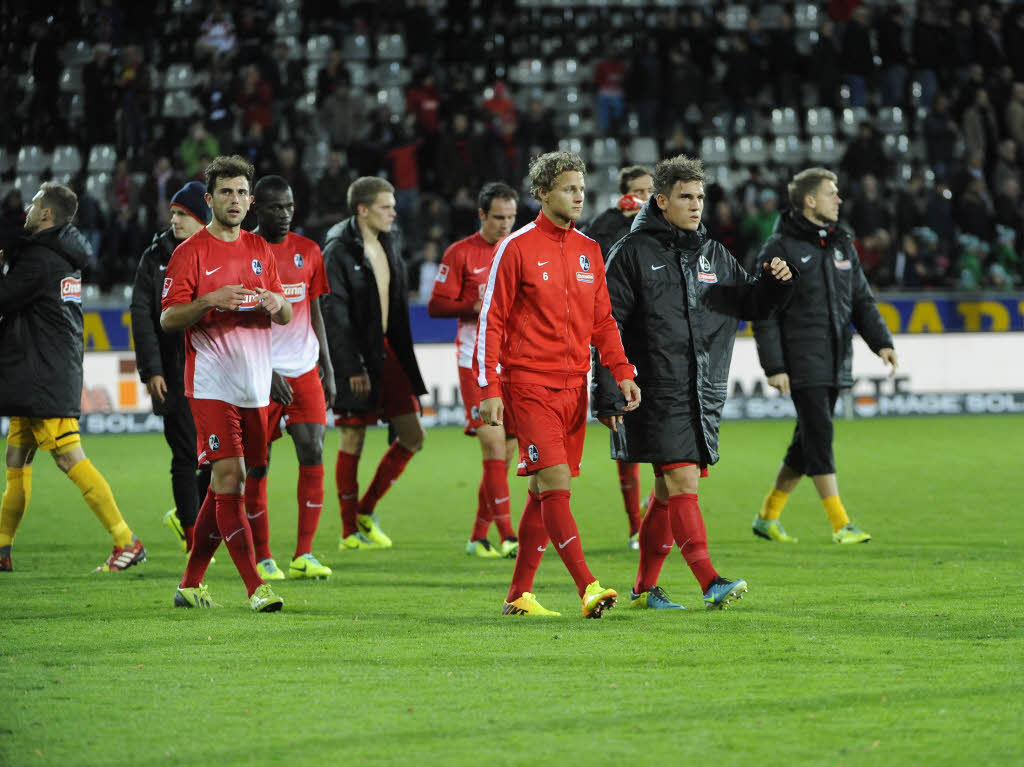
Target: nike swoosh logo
[(666, 546), (214, 536), (211, 271), (563, 545), (254, 516), (501, 500), (229, 537), (163, 268), (542, 549), (481, 269), (541, 263), (313, 505), (656, 268), (805, 259)]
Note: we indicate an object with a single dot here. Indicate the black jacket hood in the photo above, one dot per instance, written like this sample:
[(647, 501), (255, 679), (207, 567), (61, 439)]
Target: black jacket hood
[(797, 226), (652, 221), (66, 241)]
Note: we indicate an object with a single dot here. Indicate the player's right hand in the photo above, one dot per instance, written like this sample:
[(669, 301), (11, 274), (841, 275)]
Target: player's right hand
[(492, 411), (157, 387), (229, 297), (779, 381), (360, 385), (280, 389)]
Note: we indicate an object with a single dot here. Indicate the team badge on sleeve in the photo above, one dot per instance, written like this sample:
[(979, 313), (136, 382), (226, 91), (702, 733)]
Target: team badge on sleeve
[(214, 442), (533, 453), (298, 260), (442, 273), (167, 286), (257, 266)]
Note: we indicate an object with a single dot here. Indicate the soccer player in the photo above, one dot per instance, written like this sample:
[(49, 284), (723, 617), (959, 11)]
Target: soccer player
[(677, 296), (366, 314), (41, 370), (806, 350), (458, 292), (544, 306), (160, 358), (608, 228), (223, 289), (297, 392)]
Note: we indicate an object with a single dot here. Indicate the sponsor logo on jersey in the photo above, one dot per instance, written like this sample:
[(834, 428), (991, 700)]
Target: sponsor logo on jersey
[(533, 453), (214, 442), (584, 277), (294, 293), (842, 262), (167, 286), (442, 273), (299, 261), (709, 277), (249, 303), (257, 266), (71, 289), (584, 263)]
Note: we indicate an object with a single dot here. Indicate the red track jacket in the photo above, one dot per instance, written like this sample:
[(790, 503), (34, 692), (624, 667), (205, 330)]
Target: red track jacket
[(545, 304)]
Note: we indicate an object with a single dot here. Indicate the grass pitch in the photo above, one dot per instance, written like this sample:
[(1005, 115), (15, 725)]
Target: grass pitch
[(906, 650)]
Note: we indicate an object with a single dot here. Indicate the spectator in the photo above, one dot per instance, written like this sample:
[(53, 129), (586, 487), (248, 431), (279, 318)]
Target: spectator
[(216, 34), (758, 225), (868, 212), (99, 84), (423, 100), (1007, 164), (1015, 114), (929, 52), (156, 194), (857, 56), (216, 101), (133, 91), (198, 143), (429, 261), (255, 100), (1007, 205), (536, 129), (330, 204), (290, 170), (974, 211), (891, 49), (980, 130), (940, 135), (827, 65), (342, 113), (497, 103), (865, 154), (12, 219), (609, 76)]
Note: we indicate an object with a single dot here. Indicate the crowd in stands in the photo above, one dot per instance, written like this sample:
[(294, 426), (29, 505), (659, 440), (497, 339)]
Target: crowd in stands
[(918, 106)]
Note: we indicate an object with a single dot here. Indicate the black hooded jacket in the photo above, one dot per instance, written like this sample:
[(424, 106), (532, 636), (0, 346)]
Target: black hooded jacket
[(678, 297), (157, 352), (608, 228), (352, 316), (810, 339), (41, 325)]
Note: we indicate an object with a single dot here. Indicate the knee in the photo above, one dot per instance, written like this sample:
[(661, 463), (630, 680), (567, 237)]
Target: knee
[(412, 441), (310, 454)]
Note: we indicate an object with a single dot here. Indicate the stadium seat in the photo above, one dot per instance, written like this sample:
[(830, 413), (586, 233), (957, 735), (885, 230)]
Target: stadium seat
[(566, 72), (805, 16), (824, 150), (77, 53), (784, 122), (606, 151), (102, 158), (96, 184), (643, 150), (306, 103), (890, 120), (32, 159), (820, 122), (286, 22), (179, 76), (359, 73), (392, 73), (178, 105), (788, 151), (317, 47), (356, 48), (714, 150), (528, 72), (66, 159), (392, 98), (850, 119), (896, 146), (804, 41), (71, 80), (736, 17), (314, 158), (750, 150), (391, 47), (76, 108), (573, 145), (186, 7), (28, 185), (721, 175), (770, 17), (310, 75)]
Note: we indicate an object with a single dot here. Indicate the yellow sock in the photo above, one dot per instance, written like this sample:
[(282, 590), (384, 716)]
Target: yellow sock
[(773, 504), (98, 495), (836, 512), (14, 503)]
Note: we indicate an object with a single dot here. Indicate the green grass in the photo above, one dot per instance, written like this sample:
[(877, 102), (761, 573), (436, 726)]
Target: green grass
[(903, 651)]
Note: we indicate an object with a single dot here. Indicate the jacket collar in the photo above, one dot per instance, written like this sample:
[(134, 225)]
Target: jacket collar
[(549, 230), (651, 220), (797, 226)]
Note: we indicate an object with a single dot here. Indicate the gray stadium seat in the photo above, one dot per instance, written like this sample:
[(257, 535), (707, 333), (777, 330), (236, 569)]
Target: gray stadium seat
[(573, 145), (643, 150), (788, 151), (567, 72), (359, 73), (356, 48), (96, 184), (824, 150), (736, 17), (606, 151), (102, 158), (178, 105), (820, 122), (850, 119), (391, 47), (66, 159), (393, 99), (71, 80), (528, 72), (77, 53), (179, 76), (750, 150), (890, 120), (714, 150), (28, 185), (286, 22), (392, 73), (317, 47), (896, 146), (32, 159), (784, 122), (805, 16)]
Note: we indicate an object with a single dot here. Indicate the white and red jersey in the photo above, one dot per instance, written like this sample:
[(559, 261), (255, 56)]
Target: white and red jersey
[(546, 303), (460, 283), (227, 354), (300, 266)]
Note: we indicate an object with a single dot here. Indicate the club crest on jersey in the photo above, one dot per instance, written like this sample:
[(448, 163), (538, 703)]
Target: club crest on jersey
[(842, 262), (257, 266), (705, 265), (704, 274), (533, 453), (214, 442), (167, 286), (442, 273), (71, 290), (584, 263), (299, 261)]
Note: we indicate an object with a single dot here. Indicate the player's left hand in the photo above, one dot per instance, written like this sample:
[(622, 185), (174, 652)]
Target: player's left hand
[(270, 303), (281, 390), (330, 386), (631, 392), (888, 356), (611, 421), (779, 269)]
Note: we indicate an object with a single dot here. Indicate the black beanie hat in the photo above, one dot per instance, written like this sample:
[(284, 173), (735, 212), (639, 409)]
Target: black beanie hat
[(192, 199)]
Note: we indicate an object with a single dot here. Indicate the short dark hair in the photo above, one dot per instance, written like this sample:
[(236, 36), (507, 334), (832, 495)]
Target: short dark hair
[(630, 172), (226, 166), (680, 168), (807, 182), (364, 190), (546, 168), (496, 190), (270, 185), (61, 200)]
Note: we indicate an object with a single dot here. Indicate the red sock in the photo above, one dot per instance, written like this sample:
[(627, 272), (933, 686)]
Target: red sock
[(234, 529), (688, 530), (533, 540), (388, 471), (256, 512), (206, 539), (561, 527), (629, 485), (483, 514), (346, 477), (496, 483), (655, 544), (188, 537), (311, 501)]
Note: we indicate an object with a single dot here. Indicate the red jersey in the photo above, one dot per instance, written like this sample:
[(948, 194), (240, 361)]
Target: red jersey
[(227, 354), (460, 282), (546, 303), (300, 266)]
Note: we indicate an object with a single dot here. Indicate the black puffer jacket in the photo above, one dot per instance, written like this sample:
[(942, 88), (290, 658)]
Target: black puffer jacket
[(608, 228), (352, 316), (678, 297), (41, 325), (157, 352), (810, 339)]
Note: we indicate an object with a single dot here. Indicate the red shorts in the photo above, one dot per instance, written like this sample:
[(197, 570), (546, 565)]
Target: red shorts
[(396, 396), (224, 430), (661, 468), (470, 391), (308, 404), (550, 425)]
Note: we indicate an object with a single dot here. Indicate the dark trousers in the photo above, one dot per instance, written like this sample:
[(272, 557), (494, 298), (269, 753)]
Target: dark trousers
[(810, 451), (188, 485)]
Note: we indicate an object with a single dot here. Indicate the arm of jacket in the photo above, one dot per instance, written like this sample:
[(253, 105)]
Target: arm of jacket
[(335, 306), (25, 278), (502, 285), (605, 397), (864, 310), (145, 335), (606, 337), (767, 331), (755, 296)]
